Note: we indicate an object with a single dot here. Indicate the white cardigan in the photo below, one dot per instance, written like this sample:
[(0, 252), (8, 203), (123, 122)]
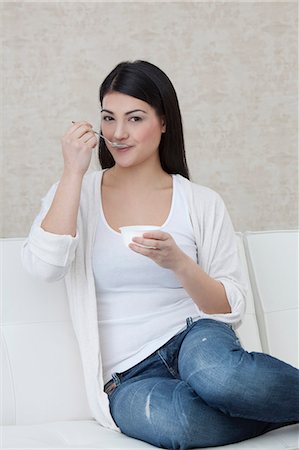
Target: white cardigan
[(53, 257)]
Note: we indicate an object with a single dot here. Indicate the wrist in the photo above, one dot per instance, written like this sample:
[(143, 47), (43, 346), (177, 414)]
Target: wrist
[(72, 175), (183, 265)]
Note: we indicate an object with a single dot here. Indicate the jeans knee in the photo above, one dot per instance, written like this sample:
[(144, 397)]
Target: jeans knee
[(188, 413), (192, 419), (184, 434)]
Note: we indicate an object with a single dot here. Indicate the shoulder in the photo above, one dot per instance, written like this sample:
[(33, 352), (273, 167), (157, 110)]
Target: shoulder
[(206, 207), (198, 193)]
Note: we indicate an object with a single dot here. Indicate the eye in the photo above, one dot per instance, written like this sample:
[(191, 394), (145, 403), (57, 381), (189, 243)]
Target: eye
[(135, 119), (107, 118)]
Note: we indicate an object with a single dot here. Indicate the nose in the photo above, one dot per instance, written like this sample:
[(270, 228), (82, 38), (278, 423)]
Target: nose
[(120, 131)]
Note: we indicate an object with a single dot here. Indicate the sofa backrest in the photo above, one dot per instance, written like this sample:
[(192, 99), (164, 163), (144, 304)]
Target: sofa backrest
[(273, 267), (41, 366)]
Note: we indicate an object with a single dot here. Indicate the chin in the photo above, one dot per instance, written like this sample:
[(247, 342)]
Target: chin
[(126, 165)]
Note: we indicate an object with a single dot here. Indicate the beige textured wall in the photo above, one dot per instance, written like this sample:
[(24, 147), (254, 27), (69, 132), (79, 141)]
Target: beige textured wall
[(234, 65)]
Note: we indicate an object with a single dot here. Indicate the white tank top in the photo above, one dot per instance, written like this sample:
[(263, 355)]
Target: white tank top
[(140, 304)]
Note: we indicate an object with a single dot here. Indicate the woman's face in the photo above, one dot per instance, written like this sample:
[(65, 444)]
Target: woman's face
[(128, 120)]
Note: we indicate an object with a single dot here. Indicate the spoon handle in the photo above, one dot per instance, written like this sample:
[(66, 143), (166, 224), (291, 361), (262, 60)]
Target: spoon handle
[(113, 144), (96, 132)]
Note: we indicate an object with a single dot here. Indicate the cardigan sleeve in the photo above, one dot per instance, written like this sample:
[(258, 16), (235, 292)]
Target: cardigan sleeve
[(48, 255), (218, 253)]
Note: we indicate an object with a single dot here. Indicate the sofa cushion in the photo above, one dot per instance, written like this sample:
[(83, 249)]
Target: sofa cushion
[(90, 435), (269, 255), (41, 365)]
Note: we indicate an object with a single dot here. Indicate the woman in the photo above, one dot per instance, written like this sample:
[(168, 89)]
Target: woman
[(155, 321)]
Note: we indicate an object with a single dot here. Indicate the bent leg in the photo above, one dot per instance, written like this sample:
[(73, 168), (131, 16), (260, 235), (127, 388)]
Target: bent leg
[(251, 385), (167, 413)]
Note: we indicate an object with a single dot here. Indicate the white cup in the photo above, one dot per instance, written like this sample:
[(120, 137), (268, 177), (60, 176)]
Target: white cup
[(136, 231)]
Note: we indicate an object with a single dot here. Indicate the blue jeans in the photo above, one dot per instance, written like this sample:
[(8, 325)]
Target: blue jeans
[(202, 389)]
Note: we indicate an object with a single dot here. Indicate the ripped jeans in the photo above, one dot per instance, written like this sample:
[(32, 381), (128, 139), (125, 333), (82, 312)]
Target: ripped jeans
[(202, 389)]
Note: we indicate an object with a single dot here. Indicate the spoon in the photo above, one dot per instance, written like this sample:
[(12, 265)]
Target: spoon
[(113, 144)]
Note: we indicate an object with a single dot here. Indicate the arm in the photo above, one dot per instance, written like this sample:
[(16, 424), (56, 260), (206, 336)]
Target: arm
[(216, 283), (208, 293), (77, 147), (52, 242)]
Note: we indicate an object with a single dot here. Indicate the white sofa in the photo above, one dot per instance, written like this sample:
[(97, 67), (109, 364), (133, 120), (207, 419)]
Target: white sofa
[(43, 396)]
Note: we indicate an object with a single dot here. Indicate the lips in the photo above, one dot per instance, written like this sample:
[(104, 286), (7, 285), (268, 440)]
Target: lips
[(124, 149)]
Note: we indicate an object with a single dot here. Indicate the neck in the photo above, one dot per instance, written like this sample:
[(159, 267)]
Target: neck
[(138, 177)]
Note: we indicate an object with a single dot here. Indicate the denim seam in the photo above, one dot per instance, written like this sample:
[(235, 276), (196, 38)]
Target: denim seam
[(178, 411), (173, 372)]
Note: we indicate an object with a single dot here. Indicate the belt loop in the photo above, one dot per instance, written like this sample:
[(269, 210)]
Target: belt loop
[(189, 321), (116, 379)]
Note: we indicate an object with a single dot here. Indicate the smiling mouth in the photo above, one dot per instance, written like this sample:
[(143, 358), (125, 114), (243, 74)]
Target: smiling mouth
[(122, 147), (116, 145)]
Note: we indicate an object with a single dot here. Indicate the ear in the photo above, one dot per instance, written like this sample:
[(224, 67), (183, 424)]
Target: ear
[(163, 122)]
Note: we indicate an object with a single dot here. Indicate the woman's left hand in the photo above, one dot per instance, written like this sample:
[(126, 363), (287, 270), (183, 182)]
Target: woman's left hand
[(162, 249)]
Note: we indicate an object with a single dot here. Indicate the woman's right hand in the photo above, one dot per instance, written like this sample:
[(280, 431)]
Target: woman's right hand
[(77, 146)]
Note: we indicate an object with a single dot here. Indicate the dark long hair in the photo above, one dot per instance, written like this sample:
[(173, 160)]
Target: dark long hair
[(145, 81)]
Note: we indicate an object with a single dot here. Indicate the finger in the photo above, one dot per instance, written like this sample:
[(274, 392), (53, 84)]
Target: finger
[(159, 235), (146, 251), (79, 128), (93, 142), (78, 124), (81, 131), (151, 243), (87, 137)]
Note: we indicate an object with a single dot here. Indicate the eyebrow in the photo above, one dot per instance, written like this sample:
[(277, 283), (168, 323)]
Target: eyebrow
[(127, 113)]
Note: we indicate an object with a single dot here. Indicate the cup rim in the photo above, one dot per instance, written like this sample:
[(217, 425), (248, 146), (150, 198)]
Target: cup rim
[(139, 228)]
